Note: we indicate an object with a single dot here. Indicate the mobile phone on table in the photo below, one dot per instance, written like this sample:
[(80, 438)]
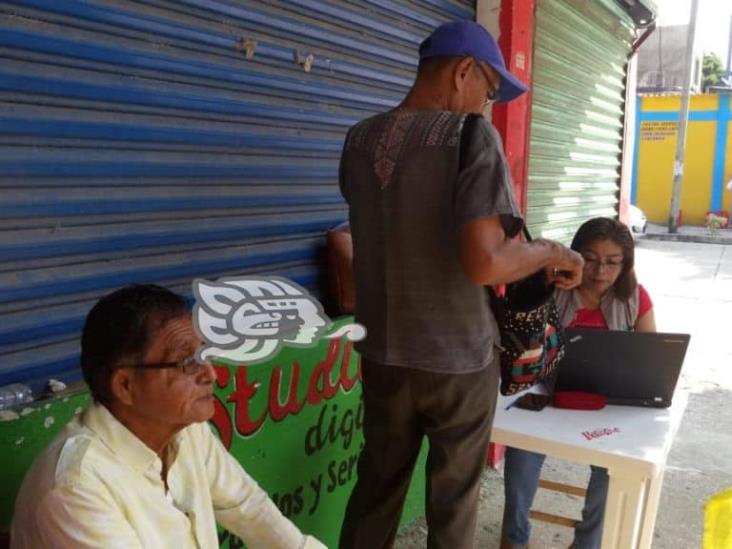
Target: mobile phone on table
[(533, 401)]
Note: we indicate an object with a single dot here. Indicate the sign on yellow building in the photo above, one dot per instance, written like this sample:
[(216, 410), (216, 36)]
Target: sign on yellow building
[(707, 163)]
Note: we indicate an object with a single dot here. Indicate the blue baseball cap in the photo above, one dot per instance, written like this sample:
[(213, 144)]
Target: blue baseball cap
[(469, 39)]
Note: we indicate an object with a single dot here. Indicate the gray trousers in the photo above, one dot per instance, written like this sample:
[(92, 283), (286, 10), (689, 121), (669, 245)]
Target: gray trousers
[(401, 406)]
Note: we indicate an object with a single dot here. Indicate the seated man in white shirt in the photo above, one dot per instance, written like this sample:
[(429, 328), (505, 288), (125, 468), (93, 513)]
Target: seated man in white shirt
[(140, 466)]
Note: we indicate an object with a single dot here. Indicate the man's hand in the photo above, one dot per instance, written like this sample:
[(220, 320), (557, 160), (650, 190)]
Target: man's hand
[(489, 258), (566, 270)]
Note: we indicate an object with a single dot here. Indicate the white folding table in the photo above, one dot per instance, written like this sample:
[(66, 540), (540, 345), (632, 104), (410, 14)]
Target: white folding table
[(632, 443)]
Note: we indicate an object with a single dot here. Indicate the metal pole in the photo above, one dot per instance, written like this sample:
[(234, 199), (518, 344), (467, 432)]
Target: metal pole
[(673, 218)]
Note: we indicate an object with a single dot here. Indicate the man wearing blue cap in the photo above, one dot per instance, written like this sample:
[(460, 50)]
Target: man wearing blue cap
[(433, 219)]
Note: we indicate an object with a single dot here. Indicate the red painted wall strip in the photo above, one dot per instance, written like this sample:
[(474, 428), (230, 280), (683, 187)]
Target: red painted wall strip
[(512, 120), (629, 137)]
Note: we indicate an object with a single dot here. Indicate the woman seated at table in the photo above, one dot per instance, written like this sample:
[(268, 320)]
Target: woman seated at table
[(609, 298)]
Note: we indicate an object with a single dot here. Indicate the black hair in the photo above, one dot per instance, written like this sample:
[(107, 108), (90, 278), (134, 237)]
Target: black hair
[(120, 327), (604, 228)]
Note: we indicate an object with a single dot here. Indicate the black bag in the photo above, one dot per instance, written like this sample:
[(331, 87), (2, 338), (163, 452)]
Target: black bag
[(532, 337)]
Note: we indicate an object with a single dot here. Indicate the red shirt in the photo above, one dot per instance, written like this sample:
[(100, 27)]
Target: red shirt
[(592, 318)]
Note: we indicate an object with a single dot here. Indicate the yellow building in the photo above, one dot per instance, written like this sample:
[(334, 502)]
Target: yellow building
[(708, 158)]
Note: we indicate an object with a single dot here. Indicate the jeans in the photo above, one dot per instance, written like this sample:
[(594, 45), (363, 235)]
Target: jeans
[(521, 478)]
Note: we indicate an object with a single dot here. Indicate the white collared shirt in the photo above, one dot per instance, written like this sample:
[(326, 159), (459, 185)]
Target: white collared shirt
[(98, 485)]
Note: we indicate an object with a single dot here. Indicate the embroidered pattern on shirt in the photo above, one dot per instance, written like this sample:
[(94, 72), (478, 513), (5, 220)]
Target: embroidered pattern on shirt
[(389, 146), (385, 137)]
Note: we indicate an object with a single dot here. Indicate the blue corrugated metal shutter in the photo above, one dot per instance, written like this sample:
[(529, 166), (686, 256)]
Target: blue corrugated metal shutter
[(158, 141)]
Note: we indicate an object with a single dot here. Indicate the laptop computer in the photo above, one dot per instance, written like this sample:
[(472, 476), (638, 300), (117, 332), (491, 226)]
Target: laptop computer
[(629, 368)]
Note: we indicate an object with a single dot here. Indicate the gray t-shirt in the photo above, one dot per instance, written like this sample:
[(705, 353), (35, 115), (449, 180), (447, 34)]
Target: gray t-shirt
[(411, 179)]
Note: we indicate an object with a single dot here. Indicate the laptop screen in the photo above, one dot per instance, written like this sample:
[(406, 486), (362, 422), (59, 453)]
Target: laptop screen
[(632, 368)]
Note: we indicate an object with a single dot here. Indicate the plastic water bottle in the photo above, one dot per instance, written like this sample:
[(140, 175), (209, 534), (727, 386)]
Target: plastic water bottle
[(14, 394)]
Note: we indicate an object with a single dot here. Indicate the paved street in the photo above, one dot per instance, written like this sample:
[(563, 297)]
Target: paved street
[(691, 286)]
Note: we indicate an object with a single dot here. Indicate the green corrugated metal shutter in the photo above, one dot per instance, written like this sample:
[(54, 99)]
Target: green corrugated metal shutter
[(580, 54)]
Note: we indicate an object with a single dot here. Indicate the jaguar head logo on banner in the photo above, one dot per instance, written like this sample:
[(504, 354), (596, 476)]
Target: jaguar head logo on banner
[(249, 319)]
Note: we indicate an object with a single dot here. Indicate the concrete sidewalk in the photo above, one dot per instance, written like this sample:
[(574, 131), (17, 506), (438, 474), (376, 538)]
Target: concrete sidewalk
[(688, 233), (691, 287)]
